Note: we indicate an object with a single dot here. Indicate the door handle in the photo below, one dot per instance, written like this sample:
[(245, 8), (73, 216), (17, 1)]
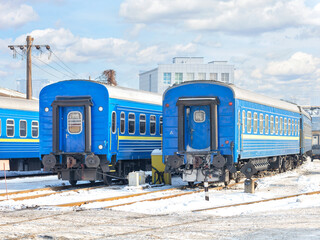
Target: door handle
[(67, 135)]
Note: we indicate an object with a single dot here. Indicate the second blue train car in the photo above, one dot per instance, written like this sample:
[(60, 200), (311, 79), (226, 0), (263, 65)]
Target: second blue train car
[(92, 131), (19, 133), (214, 130)]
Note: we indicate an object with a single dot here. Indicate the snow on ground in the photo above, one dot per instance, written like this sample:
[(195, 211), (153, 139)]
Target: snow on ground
[(304, 179)]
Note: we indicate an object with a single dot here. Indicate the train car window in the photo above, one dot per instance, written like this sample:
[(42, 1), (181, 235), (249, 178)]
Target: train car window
[(10, 127), (249, 122), (281, 125), (266, 125), (255, 122), (35, 129), (0, 128), (289, 126), (261, 123), (243, 121), (239, 119), (277, 125), (152, 125), (271, 124), (74, 122), (161, 125), (285, 126), (199, 116), (131, 123), (142, 123), (23, 128), (298, 127), (114, 122), (122, 122)]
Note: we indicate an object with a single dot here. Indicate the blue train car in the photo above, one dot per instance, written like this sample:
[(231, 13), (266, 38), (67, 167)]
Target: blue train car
[(19, 133), (92, 131), (213, 130)]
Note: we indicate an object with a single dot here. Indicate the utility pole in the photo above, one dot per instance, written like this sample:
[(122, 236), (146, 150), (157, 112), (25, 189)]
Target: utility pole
[(29, 68), (28, 49)]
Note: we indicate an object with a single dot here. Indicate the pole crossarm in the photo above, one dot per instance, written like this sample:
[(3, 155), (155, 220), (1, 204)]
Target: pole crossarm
[(28, 49)]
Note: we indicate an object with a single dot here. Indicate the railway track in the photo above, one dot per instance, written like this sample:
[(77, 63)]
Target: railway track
[(136, 195), (55, 190), (28, 175), (258, 201)]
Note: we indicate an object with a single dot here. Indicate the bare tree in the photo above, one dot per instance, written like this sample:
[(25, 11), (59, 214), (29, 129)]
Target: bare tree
[(110, 76)]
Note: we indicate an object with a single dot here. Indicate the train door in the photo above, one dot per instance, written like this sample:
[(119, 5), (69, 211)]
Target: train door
[(113, 147), (198, 127), (72, 129)]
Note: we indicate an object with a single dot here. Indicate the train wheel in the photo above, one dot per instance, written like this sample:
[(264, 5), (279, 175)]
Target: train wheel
[(191, 184), (73, 182), (107, 180)]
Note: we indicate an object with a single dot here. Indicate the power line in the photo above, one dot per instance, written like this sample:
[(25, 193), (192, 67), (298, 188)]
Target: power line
[(51, 66), (40, 67), (63, 62)]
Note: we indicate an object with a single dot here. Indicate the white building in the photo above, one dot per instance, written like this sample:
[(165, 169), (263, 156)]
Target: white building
[(185, 69), (37, 85)]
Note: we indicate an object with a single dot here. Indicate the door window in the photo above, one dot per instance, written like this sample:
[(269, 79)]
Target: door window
[(74, 122), (199, 116)]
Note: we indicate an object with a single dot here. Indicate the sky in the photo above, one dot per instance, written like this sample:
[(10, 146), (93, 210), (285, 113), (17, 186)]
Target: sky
[(274, 45)]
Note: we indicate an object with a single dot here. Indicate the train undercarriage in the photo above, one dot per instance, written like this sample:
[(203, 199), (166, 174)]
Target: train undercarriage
[(202, 168), (80, 167)]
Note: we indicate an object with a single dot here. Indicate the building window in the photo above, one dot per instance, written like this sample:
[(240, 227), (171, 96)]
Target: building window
[(167, 78), (142, 123), (214, 76), (35, 128), (23, 128), (131, 123), (266, 124), (243, 121), (261, 123), (225, 77), (201, 76), (114, 122), (255, 122), (152, 125), (190, 76), (249, 122), (150, 83), (178, 77), (10, 128), (122, 122), (271, 124), (161, 125)]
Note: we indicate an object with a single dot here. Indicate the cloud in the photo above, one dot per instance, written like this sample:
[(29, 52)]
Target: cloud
[(298, 64), (72, 48), (232, 16), (14, 14)]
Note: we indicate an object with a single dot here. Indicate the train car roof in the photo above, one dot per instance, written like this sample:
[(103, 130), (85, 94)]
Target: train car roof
[(249, 96), (19, 104), (127, 93), (134, 95)]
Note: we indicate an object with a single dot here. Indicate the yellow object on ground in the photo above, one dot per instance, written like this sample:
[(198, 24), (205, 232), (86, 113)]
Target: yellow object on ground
[(158, 174)]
